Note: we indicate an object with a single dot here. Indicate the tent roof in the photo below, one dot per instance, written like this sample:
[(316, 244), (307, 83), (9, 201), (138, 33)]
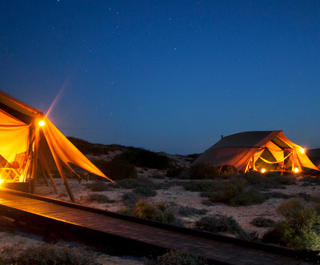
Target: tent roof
[(18, 109), (246, 139)]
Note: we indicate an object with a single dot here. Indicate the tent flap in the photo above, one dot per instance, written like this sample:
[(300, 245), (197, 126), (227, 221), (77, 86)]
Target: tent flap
[(63, 150)]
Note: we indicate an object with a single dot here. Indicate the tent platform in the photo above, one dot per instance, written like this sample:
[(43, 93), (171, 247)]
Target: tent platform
[(129, 235)]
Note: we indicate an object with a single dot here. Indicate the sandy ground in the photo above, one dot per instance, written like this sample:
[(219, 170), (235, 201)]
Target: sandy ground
[(175, 195)]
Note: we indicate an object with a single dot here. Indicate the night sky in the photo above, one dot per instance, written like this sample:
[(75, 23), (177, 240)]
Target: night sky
[(166, 75)]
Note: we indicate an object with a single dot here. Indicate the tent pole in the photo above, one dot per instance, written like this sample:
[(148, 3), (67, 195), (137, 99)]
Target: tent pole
[(65, 181), (68, 189), (46, 168), (33, 157), (43, 174)]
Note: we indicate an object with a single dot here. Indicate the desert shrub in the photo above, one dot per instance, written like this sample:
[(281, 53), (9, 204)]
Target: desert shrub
[(116, 169), (236, 194), (262, 222), (141, 186), (174, 172), (204, 171), (282, 180), (300, 230), (267, 181), (145, 191), (276, 181), (129, 199), (227, 192), (100, 198), (134, 183), (177, 258), (98, 185), (203, 186), (220, 224), (144, 158), (249, 197), (48, 255), (190, 211), (154, 212)]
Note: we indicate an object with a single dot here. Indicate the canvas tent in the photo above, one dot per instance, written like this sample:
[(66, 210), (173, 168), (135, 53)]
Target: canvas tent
[(30, 145), (257, 150)]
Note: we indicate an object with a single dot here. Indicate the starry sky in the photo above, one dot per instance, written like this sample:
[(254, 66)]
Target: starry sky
[(166, 75)]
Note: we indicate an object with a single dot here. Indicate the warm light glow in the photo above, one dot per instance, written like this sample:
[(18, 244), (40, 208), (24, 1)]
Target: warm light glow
[(263, 170), (1, 181), (296, 170), (41, 123), (302, 150)]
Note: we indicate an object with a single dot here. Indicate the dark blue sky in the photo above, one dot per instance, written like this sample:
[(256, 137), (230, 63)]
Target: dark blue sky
[(166, 75)]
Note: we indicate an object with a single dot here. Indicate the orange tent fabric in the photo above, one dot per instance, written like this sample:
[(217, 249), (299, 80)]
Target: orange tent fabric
[(243, 150), (62, 149), (25, 147)]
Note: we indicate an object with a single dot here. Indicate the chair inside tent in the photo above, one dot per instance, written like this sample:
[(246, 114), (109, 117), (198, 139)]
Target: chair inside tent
[(31, 146), (259, 151)]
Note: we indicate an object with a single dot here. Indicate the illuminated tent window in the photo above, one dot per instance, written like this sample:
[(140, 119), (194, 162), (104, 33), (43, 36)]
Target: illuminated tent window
[(31, 146), (259, 151)]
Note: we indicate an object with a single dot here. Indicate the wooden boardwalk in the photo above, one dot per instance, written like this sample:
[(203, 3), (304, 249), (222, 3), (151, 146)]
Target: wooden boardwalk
[(97, 222)]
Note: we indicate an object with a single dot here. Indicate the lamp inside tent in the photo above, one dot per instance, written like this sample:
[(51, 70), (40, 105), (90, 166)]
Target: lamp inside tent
[(31, 146)]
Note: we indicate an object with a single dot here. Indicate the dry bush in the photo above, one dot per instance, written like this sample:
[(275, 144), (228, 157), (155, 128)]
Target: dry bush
[(155, 212), (301, 228), (220, 224)]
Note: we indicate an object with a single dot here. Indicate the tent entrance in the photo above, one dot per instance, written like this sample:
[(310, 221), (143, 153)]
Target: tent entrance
[(275, 160), (15, 149)]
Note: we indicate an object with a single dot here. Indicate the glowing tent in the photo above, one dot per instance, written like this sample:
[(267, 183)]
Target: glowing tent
[(258, 150), (30, 145)]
